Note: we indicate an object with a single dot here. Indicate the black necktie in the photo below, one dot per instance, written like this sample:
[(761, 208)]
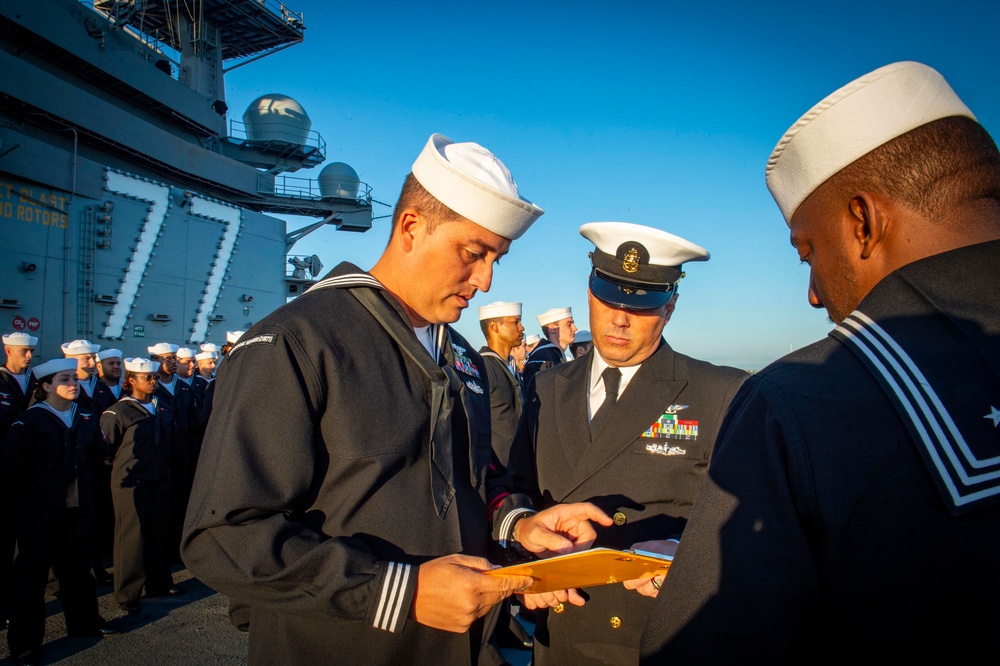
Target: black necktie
[(611, 377)]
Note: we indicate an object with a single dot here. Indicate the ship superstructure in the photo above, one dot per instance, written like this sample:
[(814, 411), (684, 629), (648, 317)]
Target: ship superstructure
[(134, 208)]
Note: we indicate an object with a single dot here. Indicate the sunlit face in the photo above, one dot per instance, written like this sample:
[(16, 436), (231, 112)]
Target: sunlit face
[(510, 331), (567, 331), (626, 337), (448, 267), (206, 367), (18, 358), (168, 364), (821, 233), (186, 366), (86, 366), (143, 383), (111, 369), (64, 385)]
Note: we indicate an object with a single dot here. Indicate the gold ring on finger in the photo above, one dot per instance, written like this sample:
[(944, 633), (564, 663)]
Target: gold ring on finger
[(656, 584), (560, 608)]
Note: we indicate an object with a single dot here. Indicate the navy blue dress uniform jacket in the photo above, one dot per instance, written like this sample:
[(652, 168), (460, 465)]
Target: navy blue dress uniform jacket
[(139, 443), (50, 464), (542, 357), (99, 401), (820, 533), (319, 487), (505, 403), (643, 468), (13, 400)]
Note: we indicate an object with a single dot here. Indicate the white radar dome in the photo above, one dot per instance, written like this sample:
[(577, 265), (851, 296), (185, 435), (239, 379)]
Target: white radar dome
[(277, 118), (339, 180)]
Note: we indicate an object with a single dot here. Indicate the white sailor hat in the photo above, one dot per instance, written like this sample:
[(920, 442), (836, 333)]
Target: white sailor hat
[(233, 336), (162, 349), (139, 364), (205, 355), (48, 368), (582, 336), (553, 315), (637, 267), (19, 340), (210, 347), (185, 352), (109, 353), (499, 309), (79, 348), (853, 121), (532, 339), (471, 181)]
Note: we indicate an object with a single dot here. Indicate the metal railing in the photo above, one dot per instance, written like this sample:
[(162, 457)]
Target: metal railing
[(297, 187), (277, 134)]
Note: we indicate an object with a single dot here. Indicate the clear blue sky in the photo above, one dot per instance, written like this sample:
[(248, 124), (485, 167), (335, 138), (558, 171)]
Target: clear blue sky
[(658, 113)]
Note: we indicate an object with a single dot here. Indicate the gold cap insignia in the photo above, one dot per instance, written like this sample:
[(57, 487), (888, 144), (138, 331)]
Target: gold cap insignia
[(630, 264)]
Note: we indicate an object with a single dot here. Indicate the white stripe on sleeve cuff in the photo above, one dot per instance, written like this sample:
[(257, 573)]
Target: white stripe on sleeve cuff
[(387, 615)]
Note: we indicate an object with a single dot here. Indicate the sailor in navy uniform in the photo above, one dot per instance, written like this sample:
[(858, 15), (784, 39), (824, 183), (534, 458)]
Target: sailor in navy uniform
[(502, 328), (93, 392), (110, 371), (177, 396), (49, 458), (203, 365), (501, 325), (200, 382), (853, 503), (139, 431), (376, 471), (203, 375), (15, 381), (558, 332), (187, 367), (628, 426), (16, 386)]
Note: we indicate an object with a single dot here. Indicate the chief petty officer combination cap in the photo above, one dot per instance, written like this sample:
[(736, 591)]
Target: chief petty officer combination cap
[(109, 353), (19, 340), (55, 365), (637, 267), (553, 315), (79, 348), (162, 349), (139, 364), (852, 122), (471, 181), (499, 309)]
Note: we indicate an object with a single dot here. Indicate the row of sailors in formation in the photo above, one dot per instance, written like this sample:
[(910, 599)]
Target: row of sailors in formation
[(97, 454), (560, 339)]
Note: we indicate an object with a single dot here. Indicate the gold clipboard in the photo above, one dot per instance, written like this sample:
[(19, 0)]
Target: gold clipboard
[(597, 566)]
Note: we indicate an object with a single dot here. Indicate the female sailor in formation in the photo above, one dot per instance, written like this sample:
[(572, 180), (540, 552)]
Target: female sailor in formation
[(49, 457), (139, 431)]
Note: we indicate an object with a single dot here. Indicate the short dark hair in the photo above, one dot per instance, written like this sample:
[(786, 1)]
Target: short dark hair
[(413, 195), (929, 169), (484, 326)]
